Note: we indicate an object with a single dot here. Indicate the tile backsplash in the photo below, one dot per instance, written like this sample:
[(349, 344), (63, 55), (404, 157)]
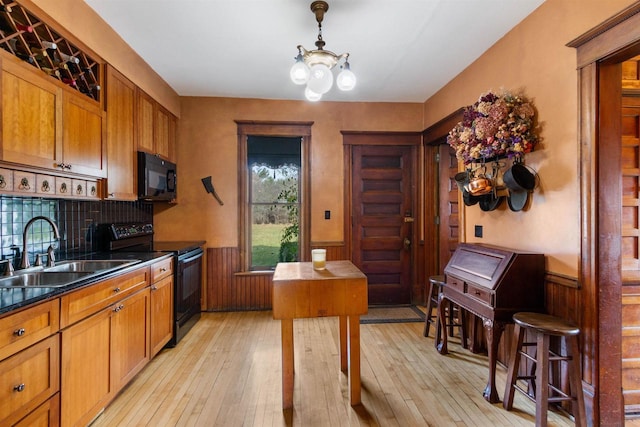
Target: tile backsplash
[(76, 221)]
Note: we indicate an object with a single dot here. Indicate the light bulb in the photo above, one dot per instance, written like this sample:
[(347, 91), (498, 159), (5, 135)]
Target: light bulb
[(321, 79), (346, 79), (311, 95), (299, 72)]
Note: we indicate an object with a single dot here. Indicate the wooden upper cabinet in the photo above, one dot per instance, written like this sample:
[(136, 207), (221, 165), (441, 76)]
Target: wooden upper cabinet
[(83, 142), (121, 143), (145, 121), (48, 126), (31, 117), (156, 127), (165, 132)]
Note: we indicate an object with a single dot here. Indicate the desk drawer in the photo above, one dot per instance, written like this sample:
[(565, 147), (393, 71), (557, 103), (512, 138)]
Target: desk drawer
[(456, 284), (480, 293)]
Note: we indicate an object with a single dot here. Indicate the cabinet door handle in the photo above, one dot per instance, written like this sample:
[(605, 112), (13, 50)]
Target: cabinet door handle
[(118, 308), (154, 288), (162, 270), (19, 332), (116, 290), (19, 387)]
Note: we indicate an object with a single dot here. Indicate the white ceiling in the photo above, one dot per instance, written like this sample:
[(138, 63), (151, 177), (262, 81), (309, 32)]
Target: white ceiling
[(400, 50)]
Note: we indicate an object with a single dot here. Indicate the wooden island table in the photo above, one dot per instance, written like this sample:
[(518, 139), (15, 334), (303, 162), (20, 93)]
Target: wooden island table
[(340, 290)]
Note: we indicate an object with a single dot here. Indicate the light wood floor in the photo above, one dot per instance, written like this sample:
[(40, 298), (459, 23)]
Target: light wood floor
[(226, 372)]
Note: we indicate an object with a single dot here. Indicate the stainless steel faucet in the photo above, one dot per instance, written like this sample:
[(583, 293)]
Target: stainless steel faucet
[(25, 256)]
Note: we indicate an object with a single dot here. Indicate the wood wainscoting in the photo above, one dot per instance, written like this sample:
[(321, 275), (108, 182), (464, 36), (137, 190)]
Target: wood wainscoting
[(230, 289)]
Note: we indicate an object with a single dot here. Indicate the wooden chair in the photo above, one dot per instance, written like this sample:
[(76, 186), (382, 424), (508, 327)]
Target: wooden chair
[(543, 326)]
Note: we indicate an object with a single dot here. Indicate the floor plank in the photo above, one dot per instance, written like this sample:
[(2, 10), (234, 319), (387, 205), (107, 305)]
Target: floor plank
[(227, 372)]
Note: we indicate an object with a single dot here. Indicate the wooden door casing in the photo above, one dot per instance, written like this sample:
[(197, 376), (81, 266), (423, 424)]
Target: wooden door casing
[(448, 204), (381, 202)]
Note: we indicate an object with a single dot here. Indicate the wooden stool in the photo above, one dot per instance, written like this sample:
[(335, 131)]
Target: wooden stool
[(455, 316), (435, 283), (544, 326)]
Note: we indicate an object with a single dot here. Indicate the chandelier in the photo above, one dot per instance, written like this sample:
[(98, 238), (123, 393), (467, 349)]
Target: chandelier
[(313, 67)]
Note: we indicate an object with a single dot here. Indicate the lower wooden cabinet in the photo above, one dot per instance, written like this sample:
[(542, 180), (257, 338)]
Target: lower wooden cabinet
[(161, 314), (129, 338), (85, 384), (108, 348), (28, 379), (45, 415)]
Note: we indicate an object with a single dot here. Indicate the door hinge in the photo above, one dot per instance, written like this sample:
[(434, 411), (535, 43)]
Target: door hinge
[(437, 157), (436, 220)]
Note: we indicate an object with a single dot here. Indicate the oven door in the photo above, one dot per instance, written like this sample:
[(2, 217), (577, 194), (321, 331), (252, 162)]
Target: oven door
[(188, 291)]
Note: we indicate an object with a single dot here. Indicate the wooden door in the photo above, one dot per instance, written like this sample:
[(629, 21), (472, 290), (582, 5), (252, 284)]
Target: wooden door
[(383, 195), (630, 256), (448, 204)]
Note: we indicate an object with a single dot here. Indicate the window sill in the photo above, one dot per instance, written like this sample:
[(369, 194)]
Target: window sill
[(254, 273)]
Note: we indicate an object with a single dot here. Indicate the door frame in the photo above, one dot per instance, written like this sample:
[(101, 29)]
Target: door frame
[(414, 139), (599, 54), (432, 137)]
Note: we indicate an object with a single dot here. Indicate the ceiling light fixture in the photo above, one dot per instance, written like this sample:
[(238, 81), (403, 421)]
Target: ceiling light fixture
[(313, 68)]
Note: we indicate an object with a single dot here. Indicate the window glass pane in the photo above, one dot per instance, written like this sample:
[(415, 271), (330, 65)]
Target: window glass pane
[(272, 242)]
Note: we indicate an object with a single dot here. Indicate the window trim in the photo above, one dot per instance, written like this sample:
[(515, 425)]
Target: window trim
[(283, 129)]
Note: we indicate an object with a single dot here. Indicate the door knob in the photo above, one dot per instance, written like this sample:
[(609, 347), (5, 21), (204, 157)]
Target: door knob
[(407, 243)]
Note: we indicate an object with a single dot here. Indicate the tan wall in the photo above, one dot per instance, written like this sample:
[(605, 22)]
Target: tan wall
[(207, 146), (533, 56), (82, 21)]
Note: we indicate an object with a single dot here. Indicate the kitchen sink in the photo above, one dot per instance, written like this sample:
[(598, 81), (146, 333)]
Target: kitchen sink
[(62, 274), (53, 279), (90, 265)]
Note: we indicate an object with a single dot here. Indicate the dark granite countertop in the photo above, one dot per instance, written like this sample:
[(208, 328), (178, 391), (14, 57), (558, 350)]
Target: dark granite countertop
[(14, 298)]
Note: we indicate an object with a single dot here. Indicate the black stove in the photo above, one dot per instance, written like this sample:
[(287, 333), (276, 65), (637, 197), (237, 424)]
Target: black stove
[(138, 237)]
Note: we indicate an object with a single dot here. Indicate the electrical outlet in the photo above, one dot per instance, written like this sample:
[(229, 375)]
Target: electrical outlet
[(478, 231), (327, 214)]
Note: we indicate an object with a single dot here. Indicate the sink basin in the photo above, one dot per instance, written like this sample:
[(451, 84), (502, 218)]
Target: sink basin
[(42, 279), (89, 265)]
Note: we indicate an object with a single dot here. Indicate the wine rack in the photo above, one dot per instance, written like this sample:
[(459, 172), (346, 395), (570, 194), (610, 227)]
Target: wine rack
[(25, 36)]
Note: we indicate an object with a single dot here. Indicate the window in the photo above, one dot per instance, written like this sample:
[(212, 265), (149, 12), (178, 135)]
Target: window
[(274, 203), (274, 200)]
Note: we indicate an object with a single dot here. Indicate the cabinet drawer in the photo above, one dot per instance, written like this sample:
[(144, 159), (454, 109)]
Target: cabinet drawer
[(20, 330), (63, 186), (79, 187), (161, 269), (92, 190), (28, 379), (47, 414), (91, 299), (456, 284), (481, 294), (24, 182), (6, 180), (45, 184)]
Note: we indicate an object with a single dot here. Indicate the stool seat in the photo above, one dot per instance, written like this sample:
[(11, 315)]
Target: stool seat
[(546, 324), (542, 327)]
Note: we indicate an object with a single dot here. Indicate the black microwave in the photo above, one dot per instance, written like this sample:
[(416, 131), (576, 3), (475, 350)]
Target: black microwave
[(157, 178)]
